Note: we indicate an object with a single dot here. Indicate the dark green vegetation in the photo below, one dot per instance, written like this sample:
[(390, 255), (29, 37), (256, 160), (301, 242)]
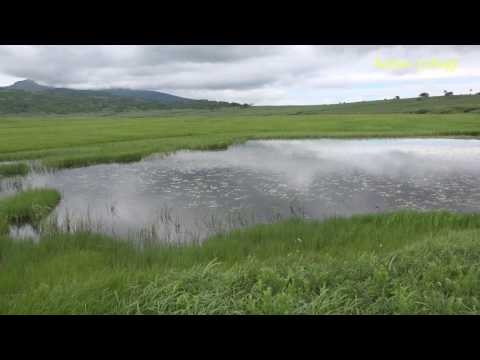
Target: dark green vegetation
[(7, 170), (402, 262), (29, 206), (28, 97)]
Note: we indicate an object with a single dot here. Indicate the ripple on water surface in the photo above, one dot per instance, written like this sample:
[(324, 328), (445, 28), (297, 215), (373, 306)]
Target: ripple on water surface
[(180, 194)]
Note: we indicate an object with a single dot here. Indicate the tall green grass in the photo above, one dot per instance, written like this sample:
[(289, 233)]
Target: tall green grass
[(7, 170), (3, 225), (28, 206), (403, 262)]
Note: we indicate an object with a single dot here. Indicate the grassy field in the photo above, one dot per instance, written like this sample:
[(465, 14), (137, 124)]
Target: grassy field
[(431, 105), (62, 142), (395, 263), (405, 262)]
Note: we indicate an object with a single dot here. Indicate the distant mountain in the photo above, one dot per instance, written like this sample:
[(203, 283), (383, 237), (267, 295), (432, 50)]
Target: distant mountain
[(27, 96), (148, 95), (28, 85)]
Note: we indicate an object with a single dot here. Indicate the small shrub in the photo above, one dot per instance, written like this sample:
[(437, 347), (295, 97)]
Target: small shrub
[(471, 109), (421, 111)]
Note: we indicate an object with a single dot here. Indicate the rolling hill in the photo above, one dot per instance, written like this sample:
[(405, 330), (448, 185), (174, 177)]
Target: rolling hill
[(29, 97), (455, 104), (432, 105)]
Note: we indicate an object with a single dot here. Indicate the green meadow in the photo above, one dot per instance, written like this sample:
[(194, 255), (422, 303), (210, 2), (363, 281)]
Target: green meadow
[(386, 263), (396, 263), (62, 142)]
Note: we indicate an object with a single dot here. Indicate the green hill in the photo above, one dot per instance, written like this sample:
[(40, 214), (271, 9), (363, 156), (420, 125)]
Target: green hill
[(434, 105), (28, 97)]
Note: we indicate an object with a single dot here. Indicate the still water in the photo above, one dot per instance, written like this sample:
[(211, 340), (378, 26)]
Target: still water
[(191, 194)]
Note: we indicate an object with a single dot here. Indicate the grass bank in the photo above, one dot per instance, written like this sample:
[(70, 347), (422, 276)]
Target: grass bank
[(18, 169), (28, 206), (62, 142), (403, 262)]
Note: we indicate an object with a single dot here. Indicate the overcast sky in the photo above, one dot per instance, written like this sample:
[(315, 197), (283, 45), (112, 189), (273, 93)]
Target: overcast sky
[(262, 75)]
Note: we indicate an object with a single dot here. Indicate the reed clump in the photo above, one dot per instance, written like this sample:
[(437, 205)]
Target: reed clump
[(29, 206), (16, 169)]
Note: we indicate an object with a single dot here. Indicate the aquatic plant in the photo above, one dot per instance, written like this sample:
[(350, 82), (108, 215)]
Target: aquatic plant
[(16, 169), (29, 206), (402, 262)]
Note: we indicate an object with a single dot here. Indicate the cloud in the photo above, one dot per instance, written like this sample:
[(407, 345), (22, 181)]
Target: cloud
[(299, 74)]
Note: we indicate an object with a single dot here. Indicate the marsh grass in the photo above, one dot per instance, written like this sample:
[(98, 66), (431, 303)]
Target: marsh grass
[(29, 206), (402, 262), (3, 225), (17, 169), (66, 142), (166, 226)]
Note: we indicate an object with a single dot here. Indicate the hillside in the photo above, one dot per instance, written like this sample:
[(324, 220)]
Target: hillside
[(433, 105), (148, 96), (28, 97)]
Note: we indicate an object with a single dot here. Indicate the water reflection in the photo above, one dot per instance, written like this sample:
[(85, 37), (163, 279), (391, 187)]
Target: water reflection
[(25, 231), (178, 196)]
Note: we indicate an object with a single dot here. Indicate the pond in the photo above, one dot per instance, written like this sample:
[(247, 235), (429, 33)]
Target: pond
[(191, 194)]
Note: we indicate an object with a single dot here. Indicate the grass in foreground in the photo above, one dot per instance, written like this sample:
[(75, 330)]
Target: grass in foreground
[(405, 262)]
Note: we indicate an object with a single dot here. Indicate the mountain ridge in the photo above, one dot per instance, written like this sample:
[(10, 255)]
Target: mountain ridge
[(28, 85), (151, 95), (27, 96)]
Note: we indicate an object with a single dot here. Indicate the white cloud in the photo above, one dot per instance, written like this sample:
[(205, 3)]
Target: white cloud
[(253, 74)]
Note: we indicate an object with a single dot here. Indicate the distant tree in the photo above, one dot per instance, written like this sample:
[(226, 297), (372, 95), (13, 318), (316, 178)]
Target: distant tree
[(424, 95), (448, 93), (397, 97)]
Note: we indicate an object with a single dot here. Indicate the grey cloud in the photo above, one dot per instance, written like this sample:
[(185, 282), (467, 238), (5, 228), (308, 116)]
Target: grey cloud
[(229, 72), (204, 53)]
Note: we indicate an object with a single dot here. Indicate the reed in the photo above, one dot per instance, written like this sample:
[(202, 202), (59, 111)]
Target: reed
[(29, 206), (400, 262), (16, 169)]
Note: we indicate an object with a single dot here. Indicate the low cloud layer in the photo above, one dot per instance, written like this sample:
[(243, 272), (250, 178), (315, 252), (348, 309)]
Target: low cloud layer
[(262, 75)]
